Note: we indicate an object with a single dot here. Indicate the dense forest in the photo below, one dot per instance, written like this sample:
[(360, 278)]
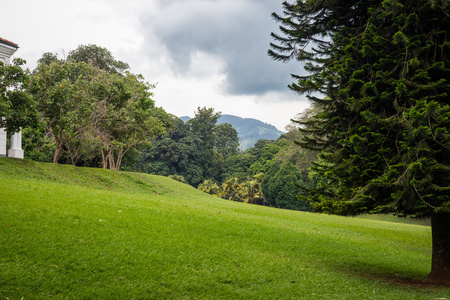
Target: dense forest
[(90, 110), (206, 155)]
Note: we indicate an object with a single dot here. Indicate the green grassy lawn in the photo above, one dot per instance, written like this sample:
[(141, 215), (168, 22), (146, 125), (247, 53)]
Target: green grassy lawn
[(81, 233), (396, 219)]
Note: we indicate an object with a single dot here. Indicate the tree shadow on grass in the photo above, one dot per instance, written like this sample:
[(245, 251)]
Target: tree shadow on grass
[(399, 281)]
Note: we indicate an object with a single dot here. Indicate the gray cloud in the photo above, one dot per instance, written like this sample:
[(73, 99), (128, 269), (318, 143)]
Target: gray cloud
[(236, 32), (191, 48)]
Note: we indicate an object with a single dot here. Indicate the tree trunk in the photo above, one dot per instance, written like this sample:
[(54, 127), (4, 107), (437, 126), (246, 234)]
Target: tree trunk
[(110, 155), (104, 158), (119, 158), (57, 152), (74, 156), (440, 261)]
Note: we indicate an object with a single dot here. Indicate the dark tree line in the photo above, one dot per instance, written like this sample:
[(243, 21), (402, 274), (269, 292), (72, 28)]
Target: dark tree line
[(89, 110), (207, 156)]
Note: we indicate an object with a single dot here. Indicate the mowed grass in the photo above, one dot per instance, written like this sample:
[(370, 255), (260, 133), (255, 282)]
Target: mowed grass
[(81, 233)]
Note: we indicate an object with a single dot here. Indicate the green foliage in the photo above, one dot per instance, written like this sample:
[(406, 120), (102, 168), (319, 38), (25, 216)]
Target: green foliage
[(202, 125), (17, 109), (176, 152), (257, 149), (196, 149), (385, 70), (238, 176), (252, 190), (125, 117), (226, 141), (92, 108), (179, 178), (101, 58), (280, 187), (232, 189), (37, 143), (266, 158), (301, 157), (209, 186), (237, 166), (48, 58)]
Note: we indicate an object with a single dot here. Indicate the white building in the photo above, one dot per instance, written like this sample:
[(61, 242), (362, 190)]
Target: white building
[(7, 49)]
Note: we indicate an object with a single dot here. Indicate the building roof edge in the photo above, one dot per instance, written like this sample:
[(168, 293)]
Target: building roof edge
[(9, 43)]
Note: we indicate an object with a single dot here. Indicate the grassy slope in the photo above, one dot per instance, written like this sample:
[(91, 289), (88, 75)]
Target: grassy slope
[(87, 233)]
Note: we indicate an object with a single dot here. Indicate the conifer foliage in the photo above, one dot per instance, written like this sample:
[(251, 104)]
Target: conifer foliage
[(383, 71)]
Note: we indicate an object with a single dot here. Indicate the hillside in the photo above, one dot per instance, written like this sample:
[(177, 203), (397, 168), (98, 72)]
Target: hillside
[(82, 233), (249, 130)]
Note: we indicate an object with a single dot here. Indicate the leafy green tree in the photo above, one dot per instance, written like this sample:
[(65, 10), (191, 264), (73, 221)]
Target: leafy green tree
[(87, 107), (280, 187), (48, 58), (63, 96), (384, 126), (257, 149), (252, 190), (237, 166), (267, 156), (123, 115), (260, 199), (101, 58), (226, 141), (299, 156), (202, 125), (38, 143), (17, 108), (175, 153)]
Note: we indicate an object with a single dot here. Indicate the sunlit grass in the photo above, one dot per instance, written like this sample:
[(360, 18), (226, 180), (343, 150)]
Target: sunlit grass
[(96, 234)]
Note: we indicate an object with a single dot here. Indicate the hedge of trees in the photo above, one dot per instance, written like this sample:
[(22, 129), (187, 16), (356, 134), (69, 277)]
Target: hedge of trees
[(207, 156), (90, 110)]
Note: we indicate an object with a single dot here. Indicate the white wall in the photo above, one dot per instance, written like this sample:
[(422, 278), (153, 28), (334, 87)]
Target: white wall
[(2, 142), (6, 52)]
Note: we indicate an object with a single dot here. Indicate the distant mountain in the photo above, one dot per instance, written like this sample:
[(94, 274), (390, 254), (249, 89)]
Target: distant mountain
[(249, 130), (185, 118)]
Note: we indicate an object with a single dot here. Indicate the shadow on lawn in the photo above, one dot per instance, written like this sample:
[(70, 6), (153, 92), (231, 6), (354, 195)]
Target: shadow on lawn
[(399, 281)]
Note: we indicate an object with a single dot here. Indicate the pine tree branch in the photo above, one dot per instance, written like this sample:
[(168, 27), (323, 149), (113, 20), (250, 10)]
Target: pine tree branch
[(421, 198)]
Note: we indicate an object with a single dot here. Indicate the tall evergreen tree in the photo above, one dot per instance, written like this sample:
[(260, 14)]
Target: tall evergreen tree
[(384, 124), (202, 125)]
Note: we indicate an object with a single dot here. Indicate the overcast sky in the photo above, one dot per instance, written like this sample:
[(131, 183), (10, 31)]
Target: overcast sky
[(200, 53)]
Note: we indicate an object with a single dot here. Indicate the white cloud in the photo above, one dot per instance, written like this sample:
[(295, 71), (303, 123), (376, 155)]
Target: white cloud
[(201, 53)]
